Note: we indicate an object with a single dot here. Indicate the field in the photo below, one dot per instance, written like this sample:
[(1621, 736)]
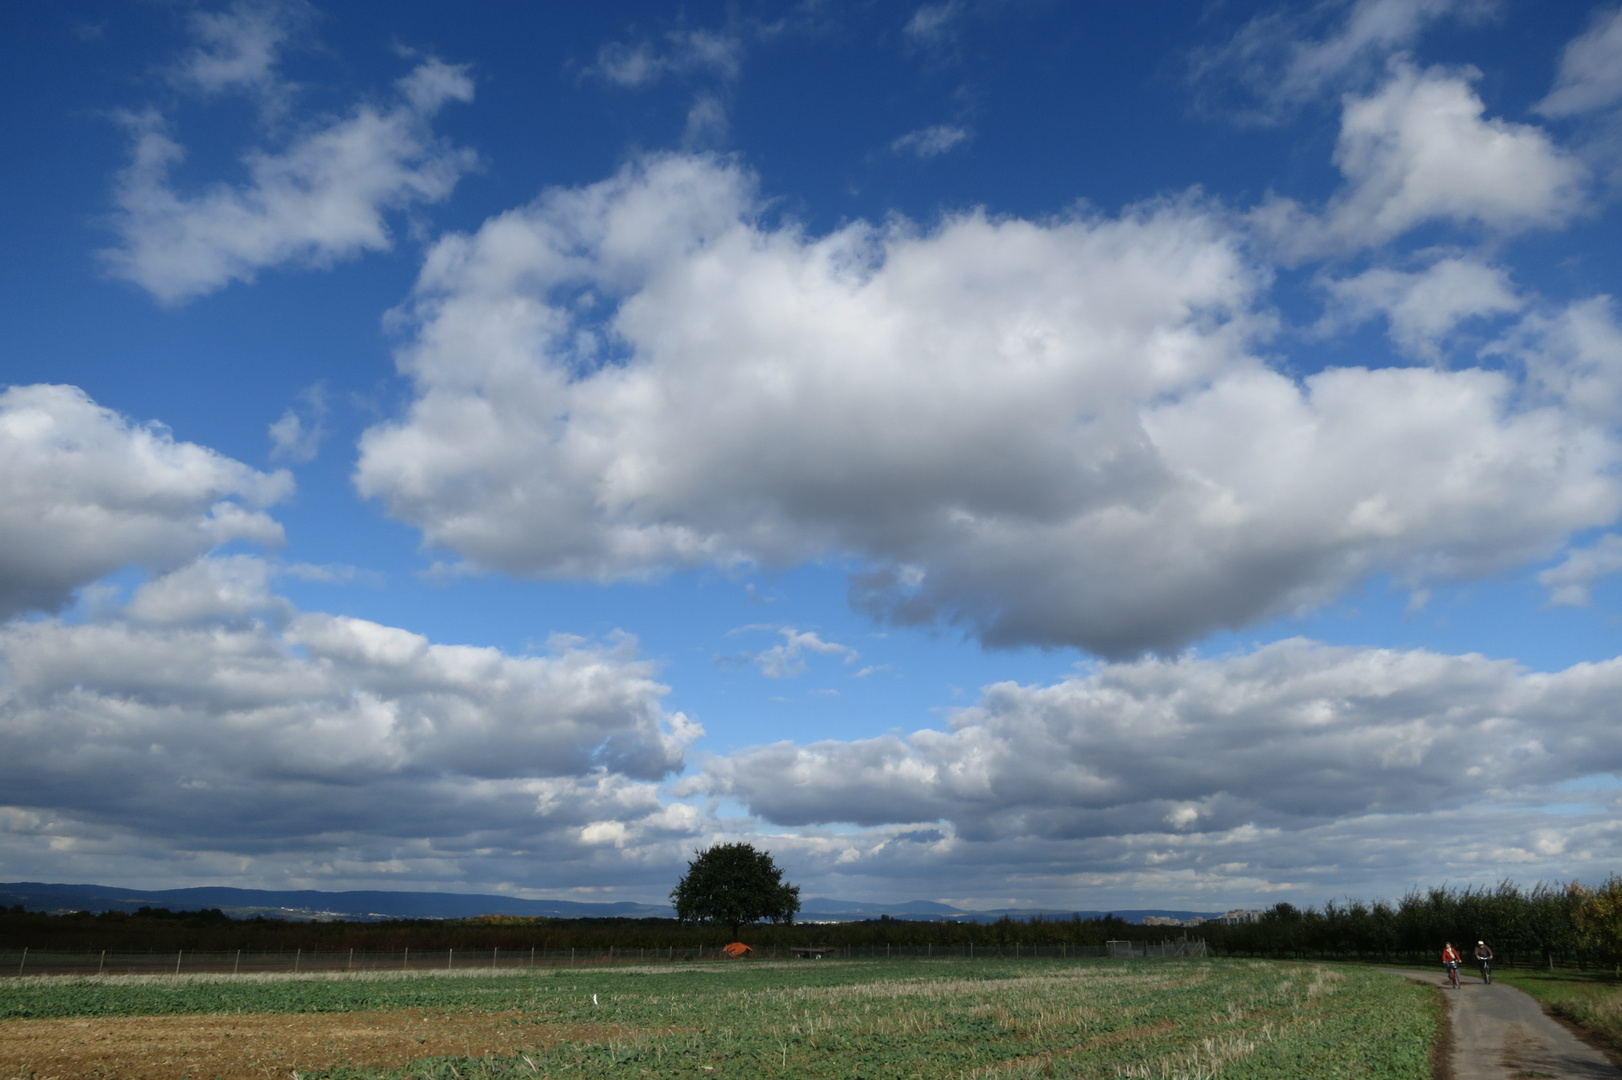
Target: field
[(873, 1019)]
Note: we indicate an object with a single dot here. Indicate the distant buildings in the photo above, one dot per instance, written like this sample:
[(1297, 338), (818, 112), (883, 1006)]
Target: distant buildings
[(1236, 917)]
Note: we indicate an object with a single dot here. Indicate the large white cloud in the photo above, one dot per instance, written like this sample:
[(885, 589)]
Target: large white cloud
[(1576, 833), (83, 492), (321, 199), (207, 715), (1048, 432), (208, 731), (1293, 736)]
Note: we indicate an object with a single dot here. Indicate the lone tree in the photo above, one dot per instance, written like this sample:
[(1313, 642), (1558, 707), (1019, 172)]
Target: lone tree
[(733, 885)]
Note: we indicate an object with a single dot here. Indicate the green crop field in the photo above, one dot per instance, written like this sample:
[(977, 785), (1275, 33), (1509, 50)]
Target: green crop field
[(985, 1020)]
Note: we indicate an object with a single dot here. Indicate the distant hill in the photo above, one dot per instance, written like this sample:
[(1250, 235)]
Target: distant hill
[(311, 903), (822, 909), (373, 905)]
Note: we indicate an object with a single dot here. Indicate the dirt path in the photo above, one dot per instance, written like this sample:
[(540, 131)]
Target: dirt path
[(261, 1046), (1500, 1033)]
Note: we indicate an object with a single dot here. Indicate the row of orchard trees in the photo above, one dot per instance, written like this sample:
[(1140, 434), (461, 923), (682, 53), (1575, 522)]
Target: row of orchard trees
[(1560, 925), (1546, 925), (211, 931)]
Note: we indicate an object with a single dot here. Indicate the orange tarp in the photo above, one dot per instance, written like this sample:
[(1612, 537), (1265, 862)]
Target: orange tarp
[(737, 949)]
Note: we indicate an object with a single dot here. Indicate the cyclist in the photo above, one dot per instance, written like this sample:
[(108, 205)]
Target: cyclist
[(1450, 960), (1484, 958)]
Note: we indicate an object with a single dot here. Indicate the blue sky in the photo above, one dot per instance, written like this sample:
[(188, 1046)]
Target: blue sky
[(995, 452)]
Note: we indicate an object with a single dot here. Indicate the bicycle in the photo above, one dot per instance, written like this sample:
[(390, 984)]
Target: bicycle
[(1453, 973), (1486, 971)]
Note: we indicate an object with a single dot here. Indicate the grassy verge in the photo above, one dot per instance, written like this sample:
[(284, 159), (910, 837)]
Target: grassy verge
[(989, 1020), (1591, 1000)]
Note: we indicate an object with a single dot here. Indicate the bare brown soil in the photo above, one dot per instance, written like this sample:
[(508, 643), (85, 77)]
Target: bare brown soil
[(262, 1046)]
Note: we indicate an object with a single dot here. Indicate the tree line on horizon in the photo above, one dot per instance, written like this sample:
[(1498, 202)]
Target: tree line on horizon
[(1546, 925)]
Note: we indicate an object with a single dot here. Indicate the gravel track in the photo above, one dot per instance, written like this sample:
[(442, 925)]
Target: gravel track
[(1500, 1033)]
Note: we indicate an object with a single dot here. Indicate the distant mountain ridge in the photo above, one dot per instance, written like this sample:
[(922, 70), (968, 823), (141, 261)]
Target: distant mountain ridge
[(312, 903), (376, 905)]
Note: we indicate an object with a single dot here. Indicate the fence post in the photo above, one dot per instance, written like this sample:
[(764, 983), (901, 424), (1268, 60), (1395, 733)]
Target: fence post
[(236, 968), (24, 961), (405, 963), (450, 959), (493, 950), (101, 968), (571, 956), (351, 966), (297, 956), (178, 955), (532, 956)]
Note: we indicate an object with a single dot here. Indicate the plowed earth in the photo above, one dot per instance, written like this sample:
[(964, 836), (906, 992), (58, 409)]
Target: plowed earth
[(263, 1046)]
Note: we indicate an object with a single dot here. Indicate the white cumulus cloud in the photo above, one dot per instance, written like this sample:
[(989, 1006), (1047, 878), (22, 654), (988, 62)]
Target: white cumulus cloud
[(1289, 737), (789, 657), (1571, 582), (320, 200), (231, 588), (1421, 149), (1046, 432), (209, 714), (1574, 355), (1423, 307), (84, 491), (239, 47)]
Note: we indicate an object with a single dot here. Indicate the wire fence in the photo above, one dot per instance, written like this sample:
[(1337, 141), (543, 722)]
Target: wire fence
[(28, 962)]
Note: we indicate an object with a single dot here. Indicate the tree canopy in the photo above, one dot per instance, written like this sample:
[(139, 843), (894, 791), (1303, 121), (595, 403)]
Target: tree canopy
[(733, 885), (1599, 920)]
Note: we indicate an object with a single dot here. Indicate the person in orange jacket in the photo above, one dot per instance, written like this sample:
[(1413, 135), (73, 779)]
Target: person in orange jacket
[(1450, 960)]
